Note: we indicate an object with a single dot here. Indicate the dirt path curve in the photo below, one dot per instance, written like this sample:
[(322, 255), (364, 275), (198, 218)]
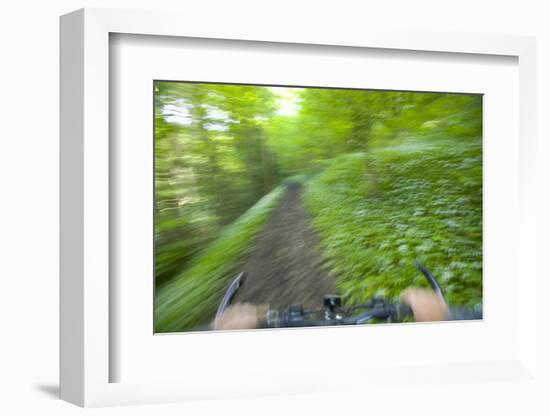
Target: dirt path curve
[(284, 265)]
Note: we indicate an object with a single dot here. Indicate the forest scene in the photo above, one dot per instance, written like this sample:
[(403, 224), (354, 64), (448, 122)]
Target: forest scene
[(312, 191)]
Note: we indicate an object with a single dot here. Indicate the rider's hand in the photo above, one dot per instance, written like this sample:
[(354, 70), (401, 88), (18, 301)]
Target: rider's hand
[(241, 316), (425, 304)]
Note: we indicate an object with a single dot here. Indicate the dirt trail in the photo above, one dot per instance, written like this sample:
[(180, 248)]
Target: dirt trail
[(284, 265)]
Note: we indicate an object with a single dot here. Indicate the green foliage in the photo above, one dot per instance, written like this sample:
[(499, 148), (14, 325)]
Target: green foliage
[(191, 298), (377, 212), (432, 115), (211, 165)]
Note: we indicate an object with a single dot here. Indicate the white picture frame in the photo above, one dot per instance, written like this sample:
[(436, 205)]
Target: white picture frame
[(85, 212)]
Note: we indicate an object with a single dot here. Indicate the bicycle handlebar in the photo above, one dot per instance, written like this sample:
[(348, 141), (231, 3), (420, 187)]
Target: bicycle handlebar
[(376, 309), (334, 314)]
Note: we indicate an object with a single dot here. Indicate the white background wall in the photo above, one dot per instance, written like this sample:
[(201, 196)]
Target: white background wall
[(29, 56)]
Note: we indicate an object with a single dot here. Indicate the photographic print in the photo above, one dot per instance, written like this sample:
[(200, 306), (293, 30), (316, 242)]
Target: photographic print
[(292, 207)]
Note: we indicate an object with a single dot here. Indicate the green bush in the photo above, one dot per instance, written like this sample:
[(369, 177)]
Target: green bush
[(378, 212)]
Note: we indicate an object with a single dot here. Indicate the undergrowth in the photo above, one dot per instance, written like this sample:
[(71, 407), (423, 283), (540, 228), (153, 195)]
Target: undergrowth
[(191, 298), (378, 212)]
